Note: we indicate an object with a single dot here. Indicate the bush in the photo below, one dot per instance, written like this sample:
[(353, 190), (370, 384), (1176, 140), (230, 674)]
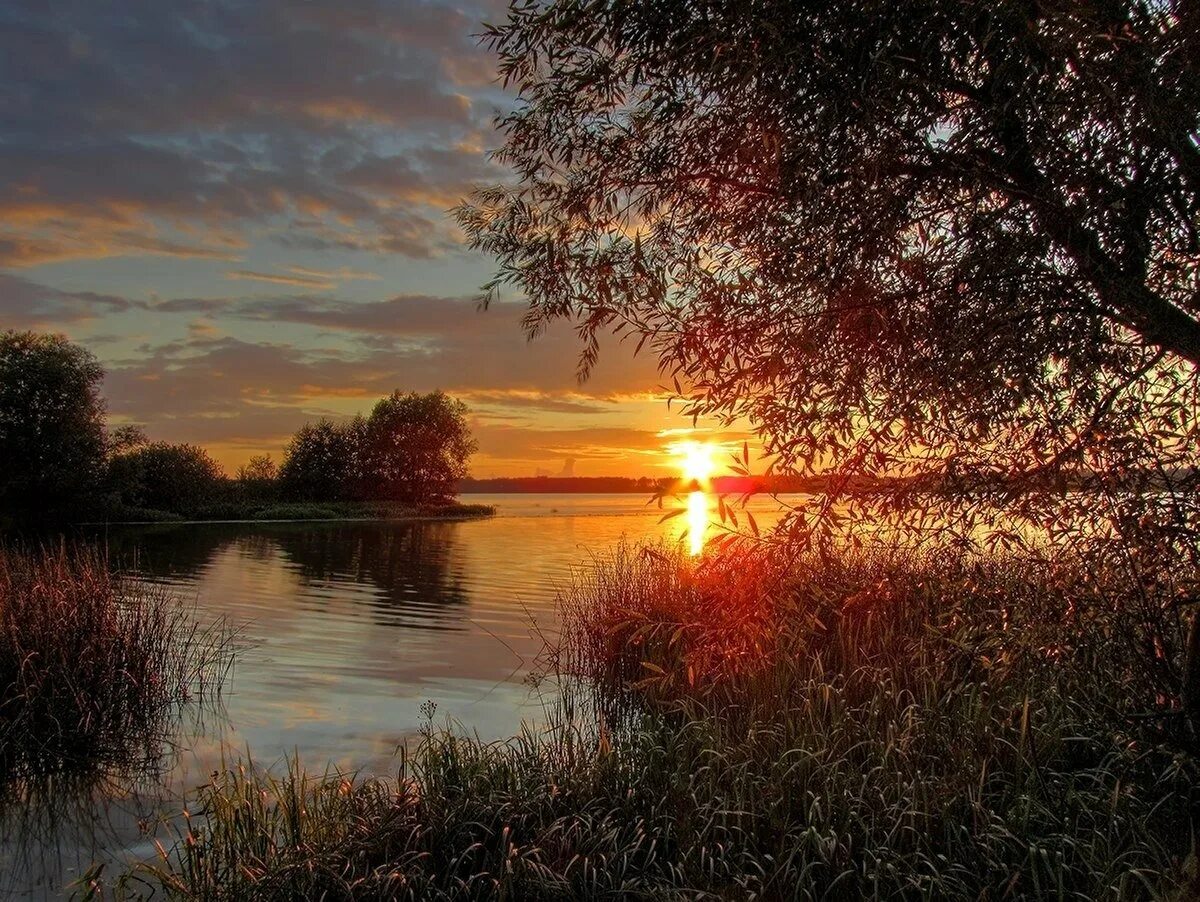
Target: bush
[(164, 477), (92, 665)]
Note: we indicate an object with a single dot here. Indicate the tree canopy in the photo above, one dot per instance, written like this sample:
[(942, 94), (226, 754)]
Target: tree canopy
[(954, 242), (52, 438), (413, 448), (161, 476), (417, 446), (322, 462)]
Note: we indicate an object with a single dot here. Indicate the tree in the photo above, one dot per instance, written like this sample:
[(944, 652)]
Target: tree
[(417, 446), (52, 437), (260, 468), (954, 245), (920, 239), (322, 462), (164, 477), (258, 478)]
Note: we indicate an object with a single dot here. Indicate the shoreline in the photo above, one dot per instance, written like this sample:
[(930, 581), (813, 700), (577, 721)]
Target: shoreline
[(460, 512)]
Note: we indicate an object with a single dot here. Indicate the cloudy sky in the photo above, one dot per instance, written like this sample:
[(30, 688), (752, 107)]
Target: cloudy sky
[(240, 208)]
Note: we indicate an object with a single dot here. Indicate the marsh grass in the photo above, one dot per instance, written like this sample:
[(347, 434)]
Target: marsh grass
[(94, 667), (872, 726)]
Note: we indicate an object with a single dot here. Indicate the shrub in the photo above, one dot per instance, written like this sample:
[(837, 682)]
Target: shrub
[(93, 666), (165, 477)]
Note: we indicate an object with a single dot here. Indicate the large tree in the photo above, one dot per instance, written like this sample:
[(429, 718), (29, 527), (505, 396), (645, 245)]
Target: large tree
[(954, 244), (417, 446), (52, 439), (923, 238)]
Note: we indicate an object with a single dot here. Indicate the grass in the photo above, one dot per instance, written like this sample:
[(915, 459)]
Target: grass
[(93, 666), (872, 726)]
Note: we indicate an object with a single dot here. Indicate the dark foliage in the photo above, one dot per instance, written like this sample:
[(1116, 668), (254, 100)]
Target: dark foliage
[(950, 241), (417, 446), (413, 448), (322, 462), (165, 477), (52, 440)]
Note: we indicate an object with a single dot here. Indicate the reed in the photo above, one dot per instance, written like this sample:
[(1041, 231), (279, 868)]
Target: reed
[(874, 726), (93, 666)]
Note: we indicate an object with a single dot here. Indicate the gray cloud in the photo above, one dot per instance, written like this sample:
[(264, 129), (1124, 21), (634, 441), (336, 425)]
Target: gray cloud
[(171, 128), (28, 305)]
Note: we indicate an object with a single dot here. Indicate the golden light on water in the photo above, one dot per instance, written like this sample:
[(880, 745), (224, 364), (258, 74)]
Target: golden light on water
[(696, 465), (697, 517)]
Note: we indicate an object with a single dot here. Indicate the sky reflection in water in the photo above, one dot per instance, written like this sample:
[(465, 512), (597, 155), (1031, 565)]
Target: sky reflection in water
[(347, 629)]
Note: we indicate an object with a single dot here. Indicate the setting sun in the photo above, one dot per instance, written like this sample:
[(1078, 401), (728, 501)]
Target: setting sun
[(696, 461)]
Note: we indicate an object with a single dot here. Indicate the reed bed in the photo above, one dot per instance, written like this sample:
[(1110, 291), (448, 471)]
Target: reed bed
[(94, 667), (871, 726)]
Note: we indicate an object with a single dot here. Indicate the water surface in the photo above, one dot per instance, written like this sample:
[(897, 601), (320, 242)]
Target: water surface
[(348, 632)]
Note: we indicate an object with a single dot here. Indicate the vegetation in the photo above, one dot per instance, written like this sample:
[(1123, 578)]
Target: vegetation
[(417, 446), (64, 466), (52, 439), (950, 242), (322, 461), (946, 250), (165, 477), (93, 666), (413, 448), (875, 725)]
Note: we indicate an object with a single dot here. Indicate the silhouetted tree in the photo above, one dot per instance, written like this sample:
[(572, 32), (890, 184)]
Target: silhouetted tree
[(52, 438), (417, 446), (164, 477), (952, 243), (258, 478), (126, 438), (322, 461), (923, 239)]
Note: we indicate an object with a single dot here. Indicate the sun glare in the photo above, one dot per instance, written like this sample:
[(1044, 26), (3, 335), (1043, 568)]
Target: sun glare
[(696, 466), (696, 461)]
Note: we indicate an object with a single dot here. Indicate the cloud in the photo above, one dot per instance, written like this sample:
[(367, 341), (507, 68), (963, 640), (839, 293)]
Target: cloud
[(341, 274), (190, 305), (28, 305), (185, 128), (213, 387), (278, 279)]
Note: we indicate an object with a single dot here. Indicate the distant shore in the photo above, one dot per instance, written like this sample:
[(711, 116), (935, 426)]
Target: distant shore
[(302, 512)]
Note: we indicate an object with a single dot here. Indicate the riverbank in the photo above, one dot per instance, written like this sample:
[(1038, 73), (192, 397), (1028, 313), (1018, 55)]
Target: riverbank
[(285, 512), (869, 726)]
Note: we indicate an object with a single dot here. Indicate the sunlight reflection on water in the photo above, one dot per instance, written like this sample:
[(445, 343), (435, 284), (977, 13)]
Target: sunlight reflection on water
[(697, 521)]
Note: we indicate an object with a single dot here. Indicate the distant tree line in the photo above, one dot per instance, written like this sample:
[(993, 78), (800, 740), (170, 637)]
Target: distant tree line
[(60, 462)]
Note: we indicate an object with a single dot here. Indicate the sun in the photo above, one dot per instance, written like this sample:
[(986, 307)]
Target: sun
[(696, 461)]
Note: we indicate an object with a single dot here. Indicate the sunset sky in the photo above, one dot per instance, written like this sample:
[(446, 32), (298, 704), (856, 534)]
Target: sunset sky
[(240, 209)]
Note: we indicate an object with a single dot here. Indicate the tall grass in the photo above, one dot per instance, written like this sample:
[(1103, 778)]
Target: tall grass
[(866, 726), (93, 666)]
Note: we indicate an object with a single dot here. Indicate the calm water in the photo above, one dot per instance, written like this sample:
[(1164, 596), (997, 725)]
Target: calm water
[(347, 630)]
